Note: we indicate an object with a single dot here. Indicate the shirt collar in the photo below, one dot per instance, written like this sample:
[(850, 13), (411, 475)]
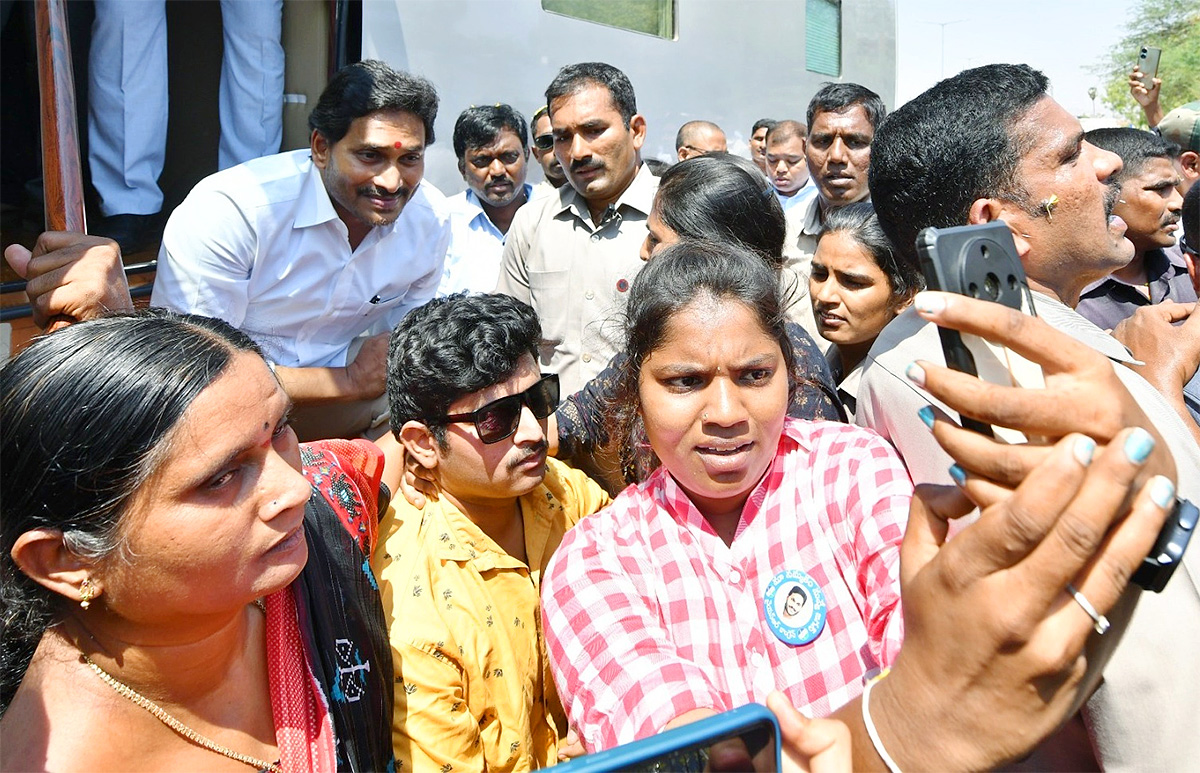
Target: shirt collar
[(463, 541), (639, 195), (1058, 315), (1161, 265), (314, 206), (475, 206)]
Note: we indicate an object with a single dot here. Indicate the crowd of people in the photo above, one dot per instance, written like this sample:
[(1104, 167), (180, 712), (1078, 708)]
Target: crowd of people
[(388, 480)]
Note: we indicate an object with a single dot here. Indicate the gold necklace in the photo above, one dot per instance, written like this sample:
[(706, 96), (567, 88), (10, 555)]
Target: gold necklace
[(161, 715)]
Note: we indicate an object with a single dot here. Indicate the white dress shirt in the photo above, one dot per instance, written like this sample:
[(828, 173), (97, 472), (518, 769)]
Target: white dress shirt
[(260, 246), (476, 245)]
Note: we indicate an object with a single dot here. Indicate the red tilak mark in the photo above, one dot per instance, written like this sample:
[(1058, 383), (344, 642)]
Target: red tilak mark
[(399, 146)]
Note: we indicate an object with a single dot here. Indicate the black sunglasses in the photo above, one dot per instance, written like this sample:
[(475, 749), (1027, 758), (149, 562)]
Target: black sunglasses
[(543, 141), (499, 419)]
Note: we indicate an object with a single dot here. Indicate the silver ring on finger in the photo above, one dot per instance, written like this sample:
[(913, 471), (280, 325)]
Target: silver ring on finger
[(1099, 622)]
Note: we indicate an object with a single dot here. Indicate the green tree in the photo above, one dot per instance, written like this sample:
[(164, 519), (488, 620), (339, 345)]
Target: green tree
[(1173, 26)]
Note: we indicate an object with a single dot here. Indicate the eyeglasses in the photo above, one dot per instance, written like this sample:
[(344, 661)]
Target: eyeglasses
[(499, 419), (543, 141)]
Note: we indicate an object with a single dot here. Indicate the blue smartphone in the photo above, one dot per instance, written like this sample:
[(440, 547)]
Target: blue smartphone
[(744, 739)]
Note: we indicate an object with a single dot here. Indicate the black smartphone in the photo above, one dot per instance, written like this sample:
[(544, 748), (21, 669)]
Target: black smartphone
[(980, 261)]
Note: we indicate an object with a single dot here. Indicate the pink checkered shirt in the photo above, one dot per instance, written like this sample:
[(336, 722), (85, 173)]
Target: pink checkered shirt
[(649, 614)]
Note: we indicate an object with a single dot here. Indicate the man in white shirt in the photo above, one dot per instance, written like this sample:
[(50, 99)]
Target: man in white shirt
[(309, 250), (572, 256), (492, 145), (786, 166)]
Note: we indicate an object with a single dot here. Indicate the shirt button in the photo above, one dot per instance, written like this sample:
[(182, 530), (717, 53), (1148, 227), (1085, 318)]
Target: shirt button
[(757, 660), (589, 295), (735, 576), (586, 357)]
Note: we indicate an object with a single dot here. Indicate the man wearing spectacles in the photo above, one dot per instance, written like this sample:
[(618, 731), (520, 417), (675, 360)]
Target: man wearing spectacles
[(459, 578), (543, 152), (492, 146), (697, 138)]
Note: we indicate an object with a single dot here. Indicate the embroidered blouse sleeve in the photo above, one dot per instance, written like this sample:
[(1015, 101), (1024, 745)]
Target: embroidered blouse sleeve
[(613, 661), (348, 474), (816, 392), (581, 417)]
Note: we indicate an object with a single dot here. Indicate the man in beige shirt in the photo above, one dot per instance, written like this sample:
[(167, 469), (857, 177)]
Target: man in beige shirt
[(842, 119), (572, 256)]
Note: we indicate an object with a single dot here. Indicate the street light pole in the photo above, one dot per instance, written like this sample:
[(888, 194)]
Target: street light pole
[(944, 25)]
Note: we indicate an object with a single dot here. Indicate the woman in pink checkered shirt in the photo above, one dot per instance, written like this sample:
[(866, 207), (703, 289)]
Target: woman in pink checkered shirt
[(681, 599)]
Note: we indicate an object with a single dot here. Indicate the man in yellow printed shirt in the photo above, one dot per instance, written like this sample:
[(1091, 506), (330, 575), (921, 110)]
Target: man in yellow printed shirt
[(460, 577)]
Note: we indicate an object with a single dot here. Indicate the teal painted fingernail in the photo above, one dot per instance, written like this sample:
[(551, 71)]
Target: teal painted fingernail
[(1083, 450), (926, 415), (1138, 445), (929, 303), (957, 473), (916, 374), (1162, 491)]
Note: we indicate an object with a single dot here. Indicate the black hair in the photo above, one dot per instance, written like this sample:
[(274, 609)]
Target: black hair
[(1134, 146), (481, 125), (1190, 217), (797, 589), (859, 222), (761, 122), (656, 167), (838, 97), (685, 133), (86, 417), (783, 131), (370, 86), (543, 110), (720, 197), (953, 144), (576, 77), (676, 277), (451, 347)]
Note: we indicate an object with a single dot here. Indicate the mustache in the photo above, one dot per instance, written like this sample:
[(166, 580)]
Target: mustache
[(501, 181), (1111, 197), (584, 166), (541, 447), (376, 192)]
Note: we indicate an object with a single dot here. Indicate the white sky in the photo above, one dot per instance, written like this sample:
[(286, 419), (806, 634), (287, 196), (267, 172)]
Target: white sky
[(1062, 38)]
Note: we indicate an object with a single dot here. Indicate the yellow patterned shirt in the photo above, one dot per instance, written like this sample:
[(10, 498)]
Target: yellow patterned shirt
[(473, 685)]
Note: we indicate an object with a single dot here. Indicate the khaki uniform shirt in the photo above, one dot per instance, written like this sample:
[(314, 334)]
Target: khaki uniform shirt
[(473, 686), (803, 226), (576, 275)]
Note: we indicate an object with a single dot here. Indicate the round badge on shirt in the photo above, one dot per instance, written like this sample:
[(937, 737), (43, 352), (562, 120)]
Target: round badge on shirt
[(795, 607)]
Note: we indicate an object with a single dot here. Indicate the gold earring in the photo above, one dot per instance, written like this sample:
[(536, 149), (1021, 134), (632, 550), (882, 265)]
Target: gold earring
[(87, 591)]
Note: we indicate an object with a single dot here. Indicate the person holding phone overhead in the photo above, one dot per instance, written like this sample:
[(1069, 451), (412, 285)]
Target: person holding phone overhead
[(1053, 191)]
